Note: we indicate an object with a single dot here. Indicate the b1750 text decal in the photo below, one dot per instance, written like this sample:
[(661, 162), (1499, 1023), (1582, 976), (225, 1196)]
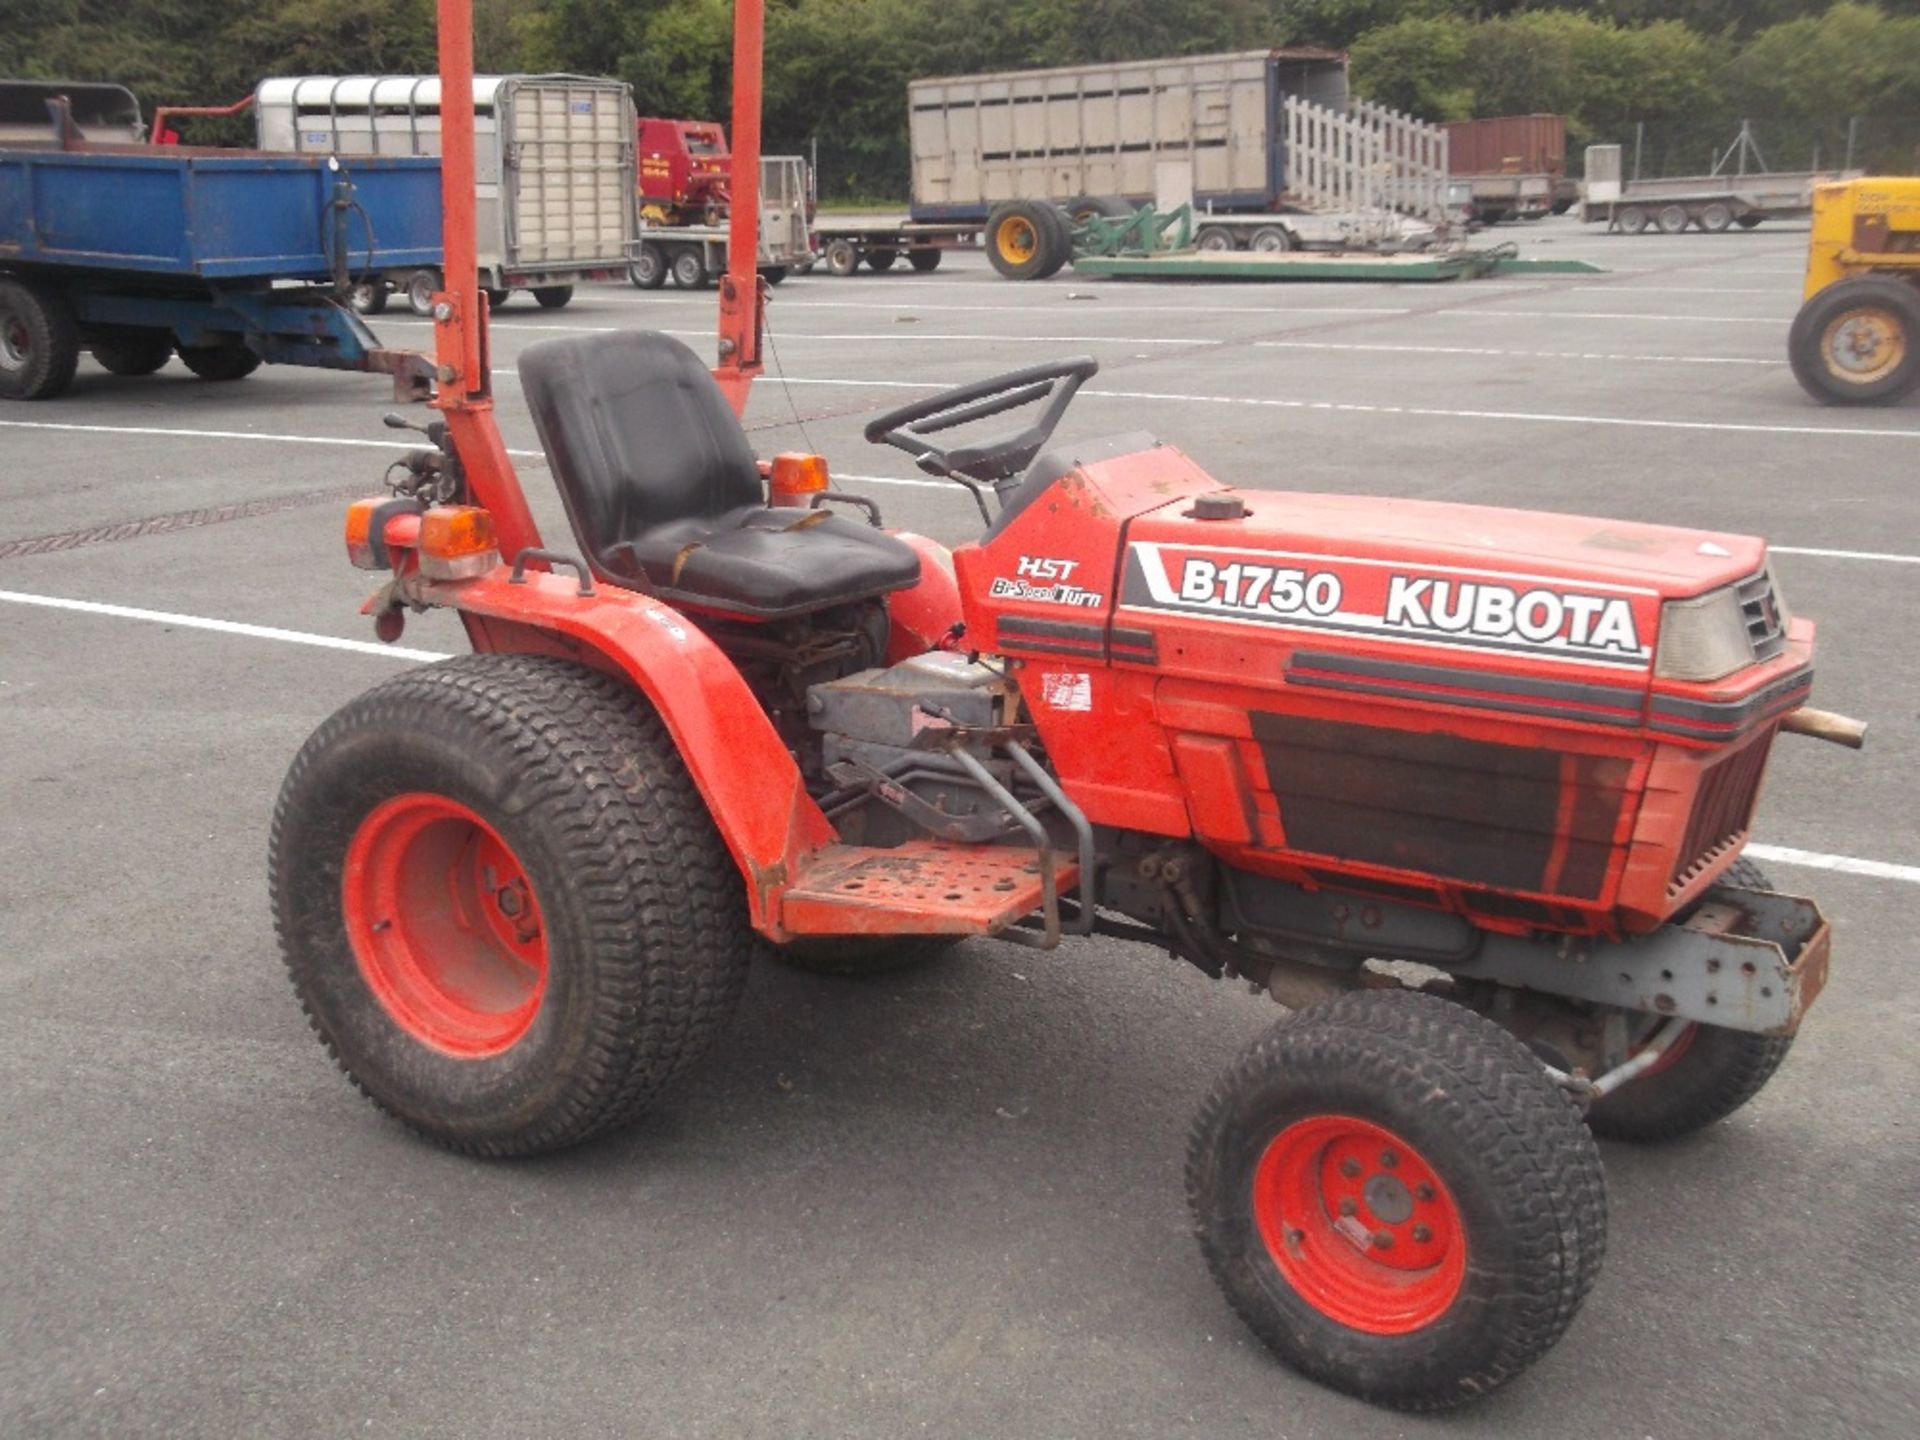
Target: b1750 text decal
[(1478, 609)]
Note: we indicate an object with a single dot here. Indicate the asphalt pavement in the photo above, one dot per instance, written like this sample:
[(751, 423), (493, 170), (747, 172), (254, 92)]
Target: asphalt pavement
[(946, 1202)]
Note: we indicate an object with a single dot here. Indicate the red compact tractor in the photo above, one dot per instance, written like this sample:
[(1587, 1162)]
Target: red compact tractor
[(1465, 790), (684, 170)]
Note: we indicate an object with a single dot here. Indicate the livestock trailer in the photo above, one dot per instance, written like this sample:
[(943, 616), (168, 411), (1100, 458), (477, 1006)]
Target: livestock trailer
[(554, 166), (1106, 130)]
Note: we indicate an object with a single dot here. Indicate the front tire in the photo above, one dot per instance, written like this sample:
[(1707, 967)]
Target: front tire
[(503, 904), (1706, 1074), (1857, 342), (1397, 1199)]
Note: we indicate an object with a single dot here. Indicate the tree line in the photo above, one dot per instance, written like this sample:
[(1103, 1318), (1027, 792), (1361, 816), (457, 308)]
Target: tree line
[(836, 70)]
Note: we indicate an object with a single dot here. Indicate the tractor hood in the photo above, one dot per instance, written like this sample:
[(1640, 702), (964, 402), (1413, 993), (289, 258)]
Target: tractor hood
[(1676, 563)]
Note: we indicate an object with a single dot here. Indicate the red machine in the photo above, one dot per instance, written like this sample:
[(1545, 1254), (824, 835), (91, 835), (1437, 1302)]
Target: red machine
[(1284, 737), (684, 170)]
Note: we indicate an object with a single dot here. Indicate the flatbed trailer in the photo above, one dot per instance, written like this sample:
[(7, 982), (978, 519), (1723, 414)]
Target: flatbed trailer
[(879, 242), (133, 251), (696, 255), (1712, 202)]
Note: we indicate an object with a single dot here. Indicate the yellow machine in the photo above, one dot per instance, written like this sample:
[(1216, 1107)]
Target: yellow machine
[(1856, 340)]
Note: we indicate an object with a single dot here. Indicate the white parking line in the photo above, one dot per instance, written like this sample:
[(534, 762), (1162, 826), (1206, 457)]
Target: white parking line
[(1781, 855), (227, 435), (1517, 354), (1845, 864), (1845, 554)]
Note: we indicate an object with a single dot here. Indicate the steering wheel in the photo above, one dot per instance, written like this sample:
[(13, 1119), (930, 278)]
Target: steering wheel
[(994, 462)]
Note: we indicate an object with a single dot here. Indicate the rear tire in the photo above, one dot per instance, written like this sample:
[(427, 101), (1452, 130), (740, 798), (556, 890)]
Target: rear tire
[(1857, 342), (1060, 226), (455, 788), (132, 352), (1214, 240), (924, 261), (1706, 1075), (857, 955), (39, 342), (553, 297), (881, 261), (231, 360), (1397, 1199), (1271, 240)]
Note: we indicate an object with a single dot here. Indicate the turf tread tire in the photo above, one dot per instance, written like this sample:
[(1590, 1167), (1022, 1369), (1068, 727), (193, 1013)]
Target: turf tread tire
[(1424, 1068), (579, 759), (1719, 1071)]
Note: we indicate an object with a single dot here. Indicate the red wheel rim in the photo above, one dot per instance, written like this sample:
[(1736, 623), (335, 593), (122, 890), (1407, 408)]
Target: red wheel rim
[(1359, 1224), (445, 925), (1670, 1056)]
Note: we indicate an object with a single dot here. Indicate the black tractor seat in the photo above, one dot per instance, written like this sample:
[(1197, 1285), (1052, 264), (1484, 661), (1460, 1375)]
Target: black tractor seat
[(664, 493)]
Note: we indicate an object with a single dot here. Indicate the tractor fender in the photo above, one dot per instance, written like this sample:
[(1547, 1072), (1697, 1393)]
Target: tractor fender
[(750, 783), (924, 614)]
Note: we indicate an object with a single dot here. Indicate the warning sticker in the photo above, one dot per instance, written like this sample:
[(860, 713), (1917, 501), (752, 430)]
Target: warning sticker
[(1072, 690)]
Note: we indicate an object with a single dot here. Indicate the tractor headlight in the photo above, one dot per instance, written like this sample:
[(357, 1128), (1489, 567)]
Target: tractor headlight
[(1704, 638)]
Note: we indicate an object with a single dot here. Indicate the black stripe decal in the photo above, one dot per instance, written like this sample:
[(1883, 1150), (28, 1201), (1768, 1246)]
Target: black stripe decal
[(1053, 629), (1474, 702), (1612, 697), (1137, 645), (1013, 644), (1732, 714)]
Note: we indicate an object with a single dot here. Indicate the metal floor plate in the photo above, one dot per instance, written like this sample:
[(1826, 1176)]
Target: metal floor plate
[(924, 887)]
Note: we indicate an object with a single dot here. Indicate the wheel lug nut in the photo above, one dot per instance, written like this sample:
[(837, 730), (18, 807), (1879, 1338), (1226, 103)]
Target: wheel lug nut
[(1389, 1159), (1423, 1190), (1421, 1234), (1382, 1240), (1349, 1206), (1350, 1168)]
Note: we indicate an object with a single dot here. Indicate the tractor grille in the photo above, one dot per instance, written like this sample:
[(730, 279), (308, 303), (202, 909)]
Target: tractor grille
[(1722, 810), (1765, 614)]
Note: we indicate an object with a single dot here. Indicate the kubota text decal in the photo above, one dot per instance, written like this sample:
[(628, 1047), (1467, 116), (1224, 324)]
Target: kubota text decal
[(1480, 609)]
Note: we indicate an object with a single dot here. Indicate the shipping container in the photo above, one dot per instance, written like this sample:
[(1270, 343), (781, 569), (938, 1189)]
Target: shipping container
[(1508, 145), (553, 158)]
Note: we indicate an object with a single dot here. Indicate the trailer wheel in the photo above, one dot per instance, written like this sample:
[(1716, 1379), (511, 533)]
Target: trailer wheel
[(843, 257), (773, 274), (1083, 208), (503, 905), (1672, 219), (1271, 240), (1632, 220), (368, 297), (39, 342), (924, 261), (497, 299), (855, 955), (1020, 238), (1214, 240), (553, 297), (421, 287), (689, 269), (1715, 216), (881, 261), (649, 270), (1397, 1199), (229, 361), (1747, 222), (131, 352), (1857, 342)]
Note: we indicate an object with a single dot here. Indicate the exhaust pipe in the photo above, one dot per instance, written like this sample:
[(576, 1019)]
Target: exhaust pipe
[(1826, 725)]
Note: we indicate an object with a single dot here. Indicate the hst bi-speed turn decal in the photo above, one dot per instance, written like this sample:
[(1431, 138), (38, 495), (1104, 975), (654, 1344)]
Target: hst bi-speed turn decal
[(1468, 608)]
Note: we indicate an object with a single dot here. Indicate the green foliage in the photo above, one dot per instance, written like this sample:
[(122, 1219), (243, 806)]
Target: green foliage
[(837, 70)]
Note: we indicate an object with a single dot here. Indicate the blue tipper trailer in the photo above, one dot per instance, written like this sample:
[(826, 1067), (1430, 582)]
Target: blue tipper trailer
[(229, 257)]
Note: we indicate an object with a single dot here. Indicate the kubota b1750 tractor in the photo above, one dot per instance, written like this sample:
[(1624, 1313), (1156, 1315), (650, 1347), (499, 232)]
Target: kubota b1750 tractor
[(1463, 789)]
